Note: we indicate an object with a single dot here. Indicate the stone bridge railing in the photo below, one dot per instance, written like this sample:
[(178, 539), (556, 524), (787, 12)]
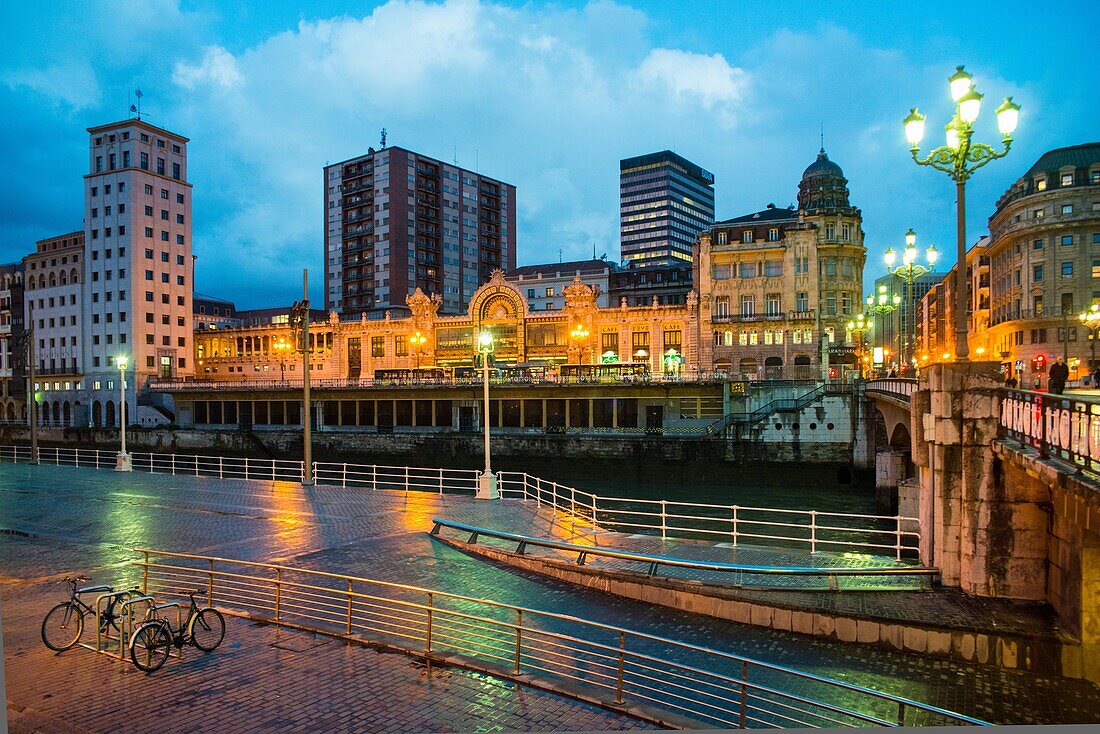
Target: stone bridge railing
[(898, 388), (1062, 426)]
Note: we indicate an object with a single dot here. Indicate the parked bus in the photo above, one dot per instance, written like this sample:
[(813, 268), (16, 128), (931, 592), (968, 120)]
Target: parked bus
[(608, 372)]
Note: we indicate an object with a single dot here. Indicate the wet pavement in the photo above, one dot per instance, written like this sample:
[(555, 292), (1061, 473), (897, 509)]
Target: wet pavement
[(59, 520)]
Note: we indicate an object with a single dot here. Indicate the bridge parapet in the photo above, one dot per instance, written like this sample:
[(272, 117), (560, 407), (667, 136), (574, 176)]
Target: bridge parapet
[(900, 388), (1066, 427)]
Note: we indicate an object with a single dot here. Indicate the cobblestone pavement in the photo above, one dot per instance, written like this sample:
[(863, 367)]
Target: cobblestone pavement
[(266, 679), (88, 520)]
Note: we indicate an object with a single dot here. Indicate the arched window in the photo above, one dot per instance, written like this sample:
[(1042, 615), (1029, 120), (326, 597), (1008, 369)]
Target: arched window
[(97, 414), (109, 421)]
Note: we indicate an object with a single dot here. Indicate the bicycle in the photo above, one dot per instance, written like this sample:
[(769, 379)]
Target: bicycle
[(153, 641), (63, 625)]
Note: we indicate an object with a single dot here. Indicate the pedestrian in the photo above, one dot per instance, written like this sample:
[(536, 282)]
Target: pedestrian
[(1096, 378), (1059, 373), (1011, 381), (893, 372)]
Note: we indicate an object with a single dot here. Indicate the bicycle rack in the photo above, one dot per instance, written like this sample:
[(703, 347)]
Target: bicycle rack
[(104, 638), (150, 614), (128, 620)]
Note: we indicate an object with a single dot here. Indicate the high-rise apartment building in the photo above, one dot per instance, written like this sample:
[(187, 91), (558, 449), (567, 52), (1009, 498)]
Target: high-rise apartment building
[(13, 389), (138, 269), (665, 201), (396, 221)]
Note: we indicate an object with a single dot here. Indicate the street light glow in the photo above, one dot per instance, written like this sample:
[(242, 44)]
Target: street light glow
[(122, 362), (914, 127), (485, 340), (1008, 114), (969, 106), (961, 82)]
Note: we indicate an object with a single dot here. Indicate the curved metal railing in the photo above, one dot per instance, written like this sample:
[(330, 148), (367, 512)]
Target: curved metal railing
[(654, 562), (901, 388), (662, 680)]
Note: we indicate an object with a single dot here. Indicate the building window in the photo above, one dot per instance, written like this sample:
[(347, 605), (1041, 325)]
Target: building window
[(1067, 269), (1067, 208), (773, 268), (609, 342), (1037, 274), (723, 237), (549, 292), (722, 307), (1096, 268), (1067, 179), (1038, 306), (722, 272), (748, 305), (746, 236), (830, 305), (1038, 245), (1041, 184), (378, 346), (673, 339), (830, 231), (830, 266), (530, 292), (1067, 239), (802, 302), (772, 304), (773, 234), (639, 340), (747, 270), (846, 303), (400, 346), (1037, 214)]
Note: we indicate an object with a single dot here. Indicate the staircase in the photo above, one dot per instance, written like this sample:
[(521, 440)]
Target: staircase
[(781, 405)]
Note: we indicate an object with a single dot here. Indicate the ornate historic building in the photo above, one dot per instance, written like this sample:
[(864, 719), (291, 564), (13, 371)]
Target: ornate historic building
[(777, 287), (1044, 263), (660, 337)]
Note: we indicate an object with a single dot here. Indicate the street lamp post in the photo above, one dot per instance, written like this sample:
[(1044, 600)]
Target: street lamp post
[(282, 346), (123, 461), (417, 341), (859, 327), (299, 320), (883, 307), (959, 159), (909, 271), (580, 336), (487, 482), (1091, 320)]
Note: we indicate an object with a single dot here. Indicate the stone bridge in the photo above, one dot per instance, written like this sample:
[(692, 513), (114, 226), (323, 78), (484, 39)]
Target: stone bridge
[(1006, 484)]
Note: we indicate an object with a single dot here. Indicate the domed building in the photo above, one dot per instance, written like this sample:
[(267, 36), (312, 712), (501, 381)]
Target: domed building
[(777, 287)]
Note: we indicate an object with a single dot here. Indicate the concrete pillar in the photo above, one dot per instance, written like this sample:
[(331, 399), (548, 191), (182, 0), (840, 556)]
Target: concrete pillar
[(863, 444)]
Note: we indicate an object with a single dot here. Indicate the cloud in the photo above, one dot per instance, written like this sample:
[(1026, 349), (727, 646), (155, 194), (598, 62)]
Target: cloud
[(709, 80), (72, 83), (218, 68)]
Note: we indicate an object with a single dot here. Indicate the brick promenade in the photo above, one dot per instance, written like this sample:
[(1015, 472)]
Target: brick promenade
[(87, 520)]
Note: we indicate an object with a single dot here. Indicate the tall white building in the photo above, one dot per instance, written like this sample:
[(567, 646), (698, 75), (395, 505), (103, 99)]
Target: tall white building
[(138, 268)]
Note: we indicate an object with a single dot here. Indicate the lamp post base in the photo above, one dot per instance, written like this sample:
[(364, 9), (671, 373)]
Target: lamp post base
[(487, 487), (123, 462)]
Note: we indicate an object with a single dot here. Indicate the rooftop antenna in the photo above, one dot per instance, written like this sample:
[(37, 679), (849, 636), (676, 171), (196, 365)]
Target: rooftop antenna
[(593, 249), (455, 145), (137, 108), (383, 143), (823, 136), (559, 255)]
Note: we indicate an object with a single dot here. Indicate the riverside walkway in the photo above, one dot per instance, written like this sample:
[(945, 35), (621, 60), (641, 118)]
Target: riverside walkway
[(58, 520)]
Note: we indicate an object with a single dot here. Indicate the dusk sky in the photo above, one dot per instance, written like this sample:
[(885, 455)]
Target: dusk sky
[(545, 96)]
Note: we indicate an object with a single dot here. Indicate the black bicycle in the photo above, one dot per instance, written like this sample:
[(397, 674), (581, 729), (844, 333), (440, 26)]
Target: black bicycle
[(153, 641), (63, 625)]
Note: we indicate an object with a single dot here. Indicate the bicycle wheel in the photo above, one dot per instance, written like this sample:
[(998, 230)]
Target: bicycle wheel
[(150, 645), (62, 626), (207, 629)]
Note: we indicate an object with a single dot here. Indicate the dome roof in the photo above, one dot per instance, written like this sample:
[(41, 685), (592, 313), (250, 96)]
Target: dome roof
[(822, 167), (823, 186)]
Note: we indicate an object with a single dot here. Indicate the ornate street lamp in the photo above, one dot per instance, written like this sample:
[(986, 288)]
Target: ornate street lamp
[(487, 482), (122, 461), (580, 336), (418, 341), (282, 346), (884, 306), (299, 328), (959, 159), (1091, 319), (858, 328), (909, 271)]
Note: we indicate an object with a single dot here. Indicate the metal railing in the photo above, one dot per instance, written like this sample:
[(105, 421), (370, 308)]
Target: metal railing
[(894, 535), (1062, 426), (400, 478), (223, 467), (832, 575), (664, 680), (896, 387), (816, 531)]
